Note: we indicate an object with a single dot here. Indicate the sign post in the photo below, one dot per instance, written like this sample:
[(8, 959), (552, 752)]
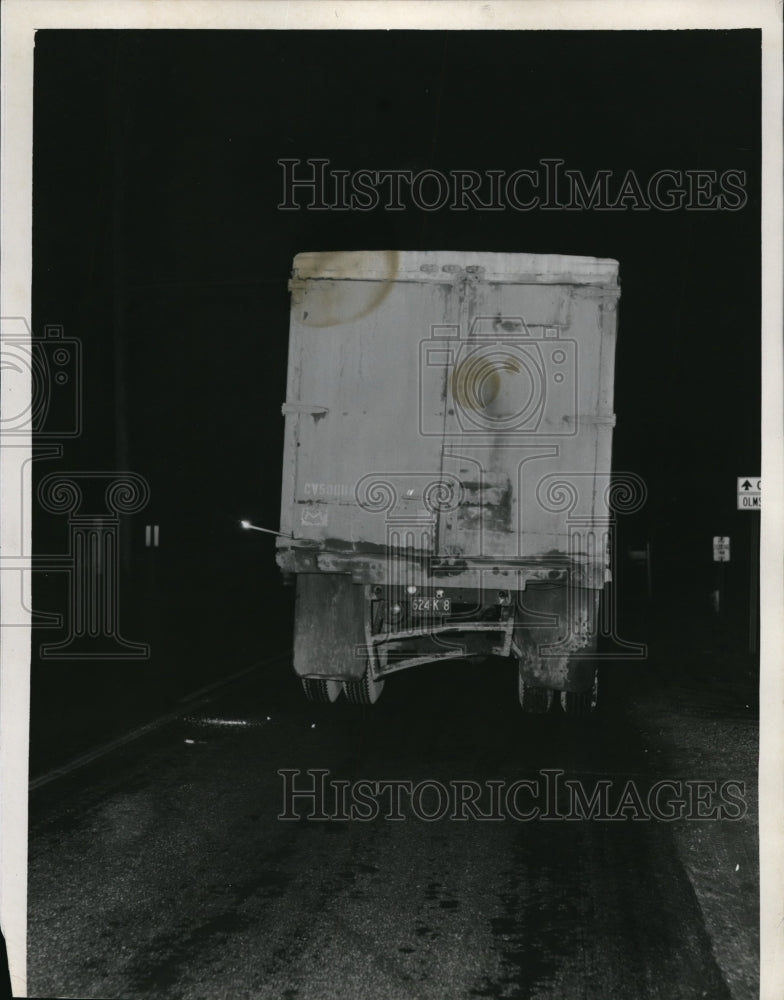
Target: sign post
[(750, 498), (721, 554)]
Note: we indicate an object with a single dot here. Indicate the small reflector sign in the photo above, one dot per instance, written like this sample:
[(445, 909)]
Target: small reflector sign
[(721, 548), (749, 493)]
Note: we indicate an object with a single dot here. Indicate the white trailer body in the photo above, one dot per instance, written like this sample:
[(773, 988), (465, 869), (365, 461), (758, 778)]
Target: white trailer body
[(446, 475)]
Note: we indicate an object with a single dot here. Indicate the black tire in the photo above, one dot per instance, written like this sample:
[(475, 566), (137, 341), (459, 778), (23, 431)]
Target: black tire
[(581, 704), (364, 691), (321, 690), (578, 704), (534, 700)]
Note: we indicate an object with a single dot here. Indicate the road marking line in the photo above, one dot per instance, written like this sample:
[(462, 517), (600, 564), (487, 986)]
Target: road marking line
[(190, 701)]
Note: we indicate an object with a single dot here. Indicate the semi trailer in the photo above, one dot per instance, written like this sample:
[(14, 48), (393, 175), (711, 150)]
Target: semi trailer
[(446, 488)]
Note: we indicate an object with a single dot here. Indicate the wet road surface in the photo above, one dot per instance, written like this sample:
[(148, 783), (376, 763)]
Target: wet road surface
[(162, 869)]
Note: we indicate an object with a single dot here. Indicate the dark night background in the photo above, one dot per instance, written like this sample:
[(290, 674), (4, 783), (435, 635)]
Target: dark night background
[(158, 244)]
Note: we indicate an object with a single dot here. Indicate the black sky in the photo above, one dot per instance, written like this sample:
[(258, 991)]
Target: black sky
[(158, 243)]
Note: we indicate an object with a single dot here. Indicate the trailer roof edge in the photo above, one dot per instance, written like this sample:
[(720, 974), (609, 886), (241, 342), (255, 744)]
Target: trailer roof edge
[(440, 265)]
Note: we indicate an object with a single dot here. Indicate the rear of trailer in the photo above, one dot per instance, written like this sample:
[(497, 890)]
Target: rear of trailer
[(446, 472)]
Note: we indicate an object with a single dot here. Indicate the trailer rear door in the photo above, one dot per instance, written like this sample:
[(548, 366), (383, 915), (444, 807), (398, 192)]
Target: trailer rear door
[(364, 412), (529, 415)]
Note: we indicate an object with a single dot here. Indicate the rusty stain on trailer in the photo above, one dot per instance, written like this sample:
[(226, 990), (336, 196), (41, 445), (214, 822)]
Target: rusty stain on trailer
[(486, 505), (341, 296)]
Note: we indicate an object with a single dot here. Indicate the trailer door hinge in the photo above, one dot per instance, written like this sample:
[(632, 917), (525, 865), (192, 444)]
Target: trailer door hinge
[(303, 408)]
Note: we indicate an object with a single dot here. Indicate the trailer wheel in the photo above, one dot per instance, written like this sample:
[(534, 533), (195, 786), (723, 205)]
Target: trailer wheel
[(535, 700), (365, 691), (318, 689), (581, 704)]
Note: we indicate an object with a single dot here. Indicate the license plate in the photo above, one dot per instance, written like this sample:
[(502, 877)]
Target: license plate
[(431, 605)]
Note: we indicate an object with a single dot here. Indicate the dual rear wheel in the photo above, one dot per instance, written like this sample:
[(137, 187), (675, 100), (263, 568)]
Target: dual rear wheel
[(575, 704), (364, 691), (320, 690)]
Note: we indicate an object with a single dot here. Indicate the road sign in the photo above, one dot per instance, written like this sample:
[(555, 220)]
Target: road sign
[(721, 548), (749, 493)]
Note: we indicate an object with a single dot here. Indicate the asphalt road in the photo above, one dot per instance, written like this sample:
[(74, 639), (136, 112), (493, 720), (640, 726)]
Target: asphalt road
[(162, 869)]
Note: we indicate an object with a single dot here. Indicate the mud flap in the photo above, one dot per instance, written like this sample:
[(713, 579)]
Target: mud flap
[(555, 635), (329, 627)]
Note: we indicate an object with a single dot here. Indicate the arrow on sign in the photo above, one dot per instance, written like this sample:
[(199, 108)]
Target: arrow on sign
[(746, 485)]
